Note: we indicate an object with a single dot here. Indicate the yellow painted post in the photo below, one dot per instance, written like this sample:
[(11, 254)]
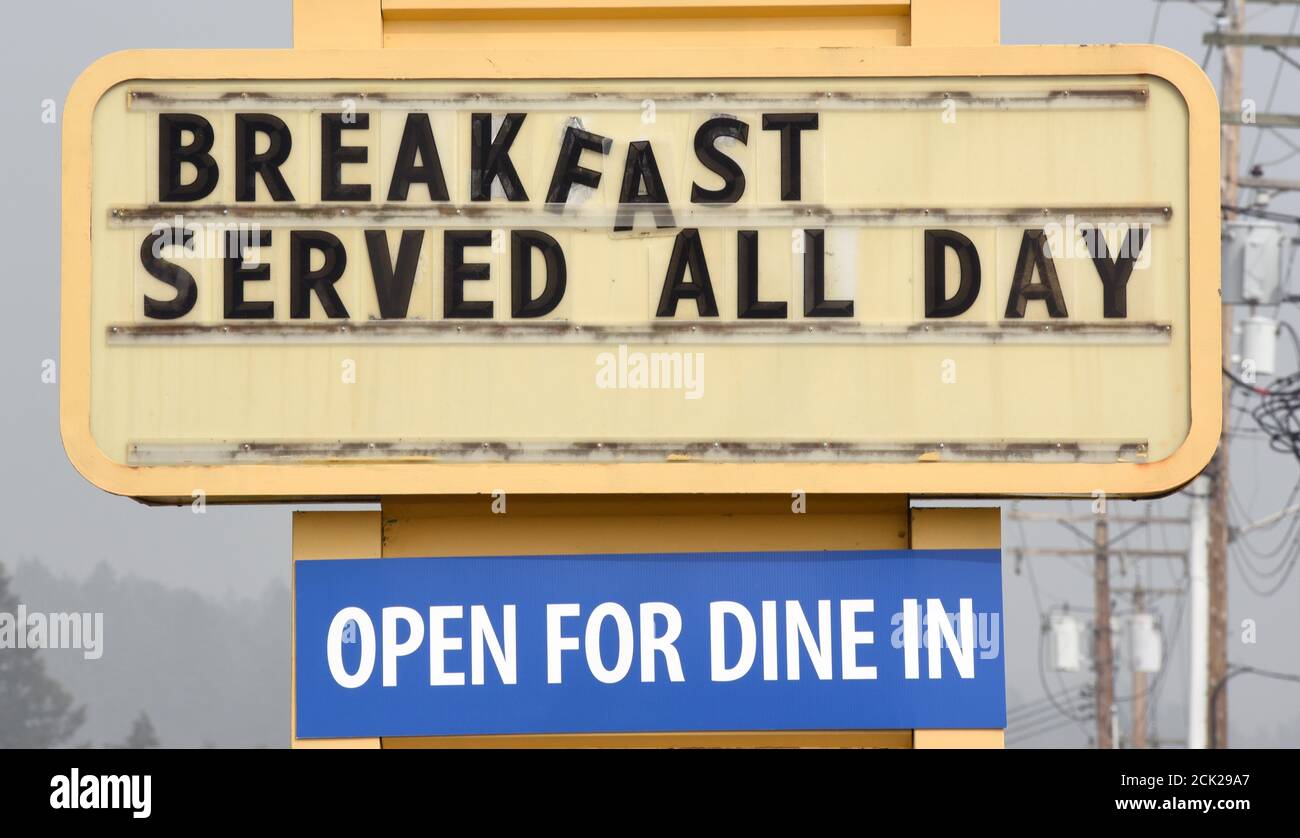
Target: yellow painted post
[(956, 23), (601, 24), (337, 24), (423, 23), (467, 526), (532, 525), (934, 528), (327, 535)]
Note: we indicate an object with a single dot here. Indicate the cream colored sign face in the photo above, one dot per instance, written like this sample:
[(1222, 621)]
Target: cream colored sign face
[(831, 271)]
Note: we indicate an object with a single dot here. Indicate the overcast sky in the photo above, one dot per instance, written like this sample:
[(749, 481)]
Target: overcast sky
[(48, 511)]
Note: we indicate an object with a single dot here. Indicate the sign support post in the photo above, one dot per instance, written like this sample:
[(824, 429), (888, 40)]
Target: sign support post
[(528, 525)]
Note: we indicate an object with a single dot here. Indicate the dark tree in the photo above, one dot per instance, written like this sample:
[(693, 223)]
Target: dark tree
[(35, 710), (142, 733)]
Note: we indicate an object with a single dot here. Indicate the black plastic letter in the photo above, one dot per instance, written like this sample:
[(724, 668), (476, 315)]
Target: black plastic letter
[(171, 154), (815, 303), (642, 185), (568, 166), (236, 274), (303, 281), (169, 272), (937, 302), (1115, 275), (733, 177), (490, 157), (522, 303), (393, 283), (748, 306), (455, 273), (333, 154), (249, 164), (1033, 254), (417, 139), (688, 253), (791, 126)]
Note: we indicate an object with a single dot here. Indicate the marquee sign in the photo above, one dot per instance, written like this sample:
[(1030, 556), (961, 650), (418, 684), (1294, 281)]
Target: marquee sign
[(688, 642), (959, 272)]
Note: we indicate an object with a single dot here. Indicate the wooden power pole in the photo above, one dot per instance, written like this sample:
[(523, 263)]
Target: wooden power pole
[(1235, 11), (1103, 651)]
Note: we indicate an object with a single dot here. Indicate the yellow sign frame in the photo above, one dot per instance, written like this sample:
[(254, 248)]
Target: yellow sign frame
[(371, 480)]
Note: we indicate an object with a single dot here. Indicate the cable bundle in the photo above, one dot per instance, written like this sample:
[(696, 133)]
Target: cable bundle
[(1278, 414)]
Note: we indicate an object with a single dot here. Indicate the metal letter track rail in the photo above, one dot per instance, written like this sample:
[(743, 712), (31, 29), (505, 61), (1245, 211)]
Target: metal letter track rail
[(580, 101)]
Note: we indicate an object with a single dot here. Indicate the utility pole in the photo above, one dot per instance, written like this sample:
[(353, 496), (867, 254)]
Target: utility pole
[(1103, 652), (1102, 548), (1140, 684), (1234, 12), (1198, 683)]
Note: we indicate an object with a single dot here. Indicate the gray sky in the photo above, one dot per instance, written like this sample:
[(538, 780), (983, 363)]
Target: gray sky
[(1263, 713), (48, 511)]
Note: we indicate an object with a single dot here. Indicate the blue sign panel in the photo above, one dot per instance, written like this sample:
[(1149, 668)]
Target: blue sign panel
[(650, 642)]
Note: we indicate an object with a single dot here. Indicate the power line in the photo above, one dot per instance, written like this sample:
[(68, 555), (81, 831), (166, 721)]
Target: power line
[(1017, 737), (1234, 671)]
